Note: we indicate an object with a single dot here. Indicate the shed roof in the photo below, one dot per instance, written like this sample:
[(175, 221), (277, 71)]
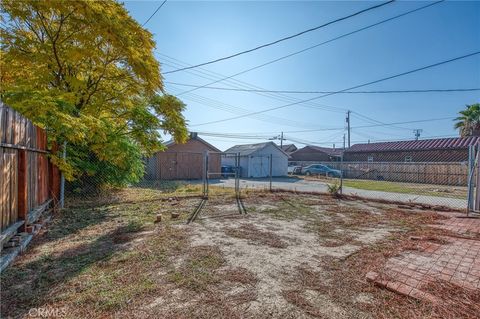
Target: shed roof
[(247, 149), (428, 144), (197, 138), (327, 150), (289, 148)]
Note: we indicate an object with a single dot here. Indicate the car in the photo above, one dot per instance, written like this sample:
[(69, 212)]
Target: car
[(320, 169), (294, 169)]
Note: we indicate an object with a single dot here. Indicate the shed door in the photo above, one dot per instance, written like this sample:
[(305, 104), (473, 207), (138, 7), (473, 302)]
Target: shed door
[(168, 165), (259, 166)]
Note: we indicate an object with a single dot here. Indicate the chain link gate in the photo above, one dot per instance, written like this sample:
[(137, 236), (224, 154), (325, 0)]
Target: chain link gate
[(207, 174)]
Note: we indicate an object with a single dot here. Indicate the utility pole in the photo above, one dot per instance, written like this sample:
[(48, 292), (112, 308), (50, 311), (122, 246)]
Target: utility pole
[(348, 127), (279, 137), (344, 141), (417, 133)]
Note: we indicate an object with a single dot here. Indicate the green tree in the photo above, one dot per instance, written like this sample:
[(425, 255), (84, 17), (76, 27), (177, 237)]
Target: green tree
[(468, 123), (86, 72)]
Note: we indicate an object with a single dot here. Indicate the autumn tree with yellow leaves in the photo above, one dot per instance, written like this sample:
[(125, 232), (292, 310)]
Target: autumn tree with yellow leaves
[(85, 71)]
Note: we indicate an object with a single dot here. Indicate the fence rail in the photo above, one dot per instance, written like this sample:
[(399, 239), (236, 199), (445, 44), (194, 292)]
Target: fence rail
[(28, 179)]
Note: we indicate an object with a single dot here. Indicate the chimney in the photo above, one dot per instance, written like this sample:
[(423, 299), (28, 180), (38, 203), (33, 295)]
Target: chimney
[(193, 135)]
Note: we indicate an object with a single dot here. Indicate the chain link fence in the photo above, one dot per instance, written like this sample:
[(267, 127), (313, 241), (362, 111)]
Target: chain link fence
[(206, 174)]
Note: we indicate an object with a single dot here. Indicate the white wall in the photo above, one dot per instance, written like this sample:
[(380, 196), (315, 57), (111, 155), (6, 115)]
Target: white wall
[(258, 163), (279, 161)]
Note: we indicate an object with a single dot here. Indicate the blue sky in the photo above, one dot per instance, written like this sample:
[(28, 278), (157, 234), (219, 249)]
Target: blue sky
[(191, 32)]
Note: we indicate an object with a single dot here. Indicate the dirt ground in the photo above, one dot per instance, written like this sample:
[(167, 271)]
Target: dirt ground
[(290, 256)]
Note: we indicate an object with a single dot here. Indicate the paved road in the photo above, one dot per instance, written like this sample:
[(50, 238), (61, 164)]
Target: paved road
[(318, 186)]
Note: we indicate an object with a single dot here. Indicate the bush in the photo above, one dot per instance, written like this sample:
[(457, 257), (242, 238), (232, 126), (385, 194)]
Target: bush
[(334, 189)]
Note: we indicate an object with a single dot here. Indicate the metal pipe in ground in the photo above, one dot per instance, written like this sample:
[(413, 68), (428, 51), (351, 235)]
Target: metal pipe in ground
[(470, 175), (341, 175), (62, 178), (204, 175), (477, 181), (271, 161)]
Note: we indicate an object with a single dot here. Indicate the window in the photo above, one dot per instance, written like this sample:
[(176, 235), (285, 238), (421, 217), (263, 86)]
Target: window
[(408, 159), (370, 159)]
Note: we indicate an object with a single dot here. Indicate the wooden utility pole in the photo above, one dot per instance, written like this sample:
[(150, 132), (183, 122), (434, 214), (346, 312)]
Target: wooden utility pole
[(417, 133), (281, 140)]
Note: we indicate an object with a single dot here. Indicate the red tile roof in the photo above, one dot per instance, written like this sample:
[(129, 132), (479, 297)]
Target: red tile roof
[(430, 144)]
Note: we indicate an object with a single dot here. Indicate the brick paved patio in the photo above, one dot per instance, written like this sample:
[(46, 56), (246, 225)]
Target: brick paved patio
[(456, 260)]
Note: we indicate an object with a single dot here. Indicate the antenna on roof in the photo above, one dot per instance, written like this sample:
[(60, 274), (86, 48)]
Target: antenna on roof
[(417, 133)]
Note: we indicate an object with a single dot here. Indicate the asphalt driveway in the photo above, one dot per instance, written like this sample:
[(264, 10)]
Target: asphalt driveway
[(301, 185)]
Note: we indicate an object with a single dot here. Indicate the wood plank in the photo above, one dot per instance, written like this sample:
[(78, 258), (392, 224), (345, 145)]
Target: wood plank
[(22, 185), (9, 232), (7, 188), (2, 123), (3, 195), (35, 214)]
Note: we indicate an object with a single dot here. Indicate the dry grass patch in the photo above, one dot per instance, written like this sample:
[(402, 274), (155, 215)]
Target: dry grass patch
[(197, 271), (240, 275), (256, 236)]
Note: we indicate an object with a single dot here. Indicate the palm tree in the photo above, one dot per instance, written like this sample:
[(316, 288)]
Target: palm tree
[(469, 121)]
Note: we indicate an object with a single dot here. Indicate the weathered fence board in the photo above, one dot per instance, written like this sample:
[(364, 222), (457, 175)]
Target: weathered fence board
[(27, 178)]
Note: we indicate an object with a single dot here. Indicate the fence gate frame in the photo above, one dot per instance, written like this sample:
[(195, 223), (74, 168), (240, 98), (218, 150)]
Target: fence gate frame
[(206, 183), (473, 197)]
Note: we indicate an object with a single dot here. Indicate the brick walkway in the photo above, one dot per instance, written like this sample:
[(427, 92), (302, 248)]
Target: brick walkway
[(461, 226), (456, 261)]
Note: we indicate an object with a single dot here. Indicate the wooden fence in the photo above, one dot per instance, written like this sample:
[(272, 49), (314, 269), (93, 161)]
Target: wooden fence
[(454, 174), (29, 182)]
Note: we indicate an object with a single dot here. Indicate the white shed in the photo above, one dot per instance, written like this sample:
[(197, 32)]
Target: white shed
[(255, 159)]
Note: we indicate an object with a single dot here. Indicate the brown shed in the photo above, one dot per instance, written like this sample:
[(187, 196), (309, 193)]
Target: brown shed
[(183, 161)]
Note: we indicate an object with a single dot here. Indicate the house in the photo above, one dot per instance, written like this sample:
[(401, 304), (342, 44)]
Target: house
[(310, 154), (183, 161), (428, 150), (289, 148), (255, 159)]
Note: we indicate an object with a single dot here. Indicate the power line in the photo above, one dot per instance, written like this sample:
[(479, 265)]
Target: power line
[(203, 73), (283, 39), (324, 92), (349, 88), (316, 45), (237, 83), (370, 140), (374, 121), (342, 128), (307, 142), (160, 6), (238, 110)]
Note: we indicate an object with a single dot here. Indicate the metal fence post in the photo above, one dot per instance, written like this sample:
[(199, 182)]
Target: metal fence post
[(237, 188), (62, 178), (204, 174), (341, 175), (270, 168), (477, 179)]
